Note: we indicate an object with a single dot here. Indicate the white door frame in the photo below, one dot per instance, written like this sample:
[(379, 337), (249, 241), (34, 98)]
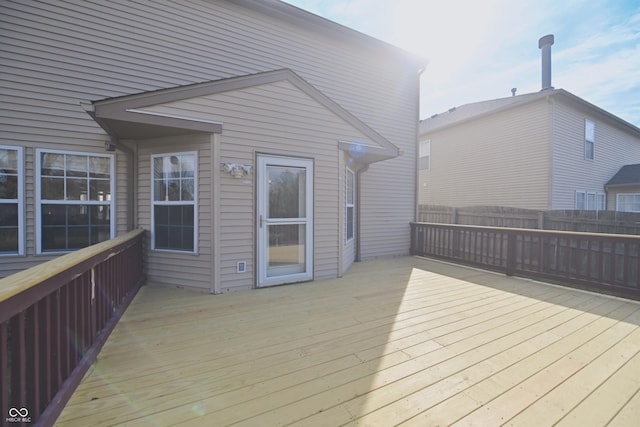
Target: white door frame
[(268, 276)]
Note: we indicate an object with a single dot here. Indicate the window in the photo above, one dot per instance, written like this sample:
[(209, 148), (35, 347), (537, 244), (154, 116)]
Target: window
[(174, 202), (11, 196), (75, 199), (589, 139), (425, 155), (590, 201), (628, 202), (351, 203)]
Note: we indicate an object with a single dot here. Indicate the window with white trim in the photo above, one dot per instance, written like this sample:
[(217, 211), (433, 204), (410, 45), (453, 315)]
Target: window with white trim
[(589, 139), (350, 216), (174, 202), (591, 201), (11, 197), (629, 202), (424, 155), (75, 199)]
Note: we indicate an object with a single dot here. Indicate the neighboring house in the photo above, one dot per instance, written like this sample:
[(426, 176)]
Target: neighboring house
[(543, 150), (624, 189), (257, 143)]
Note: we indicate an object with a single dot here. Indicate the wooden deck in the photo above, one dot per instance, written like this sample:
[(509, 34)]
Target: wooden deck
[(404, 341)]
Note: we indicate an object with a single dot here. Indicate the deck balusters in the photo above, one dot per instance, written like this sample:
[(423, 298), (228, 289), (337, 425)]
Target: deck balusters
[(607, 263), (56, 320)]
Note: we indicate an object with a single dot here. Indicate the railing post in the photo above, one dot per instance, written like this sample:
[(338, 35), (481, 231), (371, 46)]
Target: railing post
[(412, 245), (511, 253)]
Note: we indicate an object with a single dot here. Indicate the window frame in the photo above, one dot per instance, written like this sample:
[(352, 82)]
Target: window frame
[(193, 202), (598, 199), (39, 201), (589, 139), (618, 196), (424, 155), (19, 201), (350, 174)]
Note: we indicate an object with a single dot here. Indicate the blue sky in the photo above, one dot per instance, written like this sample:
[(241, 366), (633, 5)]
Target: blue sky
[(479, 50)]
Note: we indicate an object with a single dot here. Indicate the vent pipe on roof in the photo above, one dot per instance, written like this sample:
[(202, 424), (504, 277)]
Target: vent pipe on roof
[(545, 44)]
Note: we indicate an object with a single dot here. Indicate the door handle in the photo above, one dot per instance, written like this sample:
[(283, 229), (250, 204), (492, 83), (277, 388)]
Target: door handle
[(261, 220)]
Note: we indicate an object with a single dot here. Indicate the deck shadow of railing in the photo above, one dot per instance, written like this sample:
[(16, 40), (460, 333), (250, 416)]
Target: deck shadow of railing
[(55, 317), (606, 263)]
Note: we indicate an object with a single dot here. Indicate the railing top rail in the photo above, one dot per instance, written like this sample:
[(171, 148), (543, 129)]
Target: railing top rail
[(632, 237), (24, 280)]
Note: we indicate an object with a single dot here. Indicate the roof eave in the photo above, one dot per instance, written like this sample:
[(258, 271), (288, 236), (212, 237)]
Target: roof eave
[(125, 117)]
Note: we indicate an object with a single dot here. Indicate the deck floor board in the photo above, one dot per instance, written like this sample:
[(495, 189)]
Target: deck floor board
[(404, 341)]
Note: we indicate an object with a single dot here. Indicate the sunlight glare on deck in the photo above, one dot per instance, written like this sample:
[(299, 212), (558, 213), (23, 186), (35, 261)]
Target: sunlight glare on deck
[(400, 341)]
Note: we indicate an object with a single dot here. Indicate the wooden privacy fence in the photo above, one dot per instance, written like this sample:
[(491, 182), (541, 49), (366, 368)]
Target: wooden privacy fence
[(602, 262), (55, 317), (612, 222)]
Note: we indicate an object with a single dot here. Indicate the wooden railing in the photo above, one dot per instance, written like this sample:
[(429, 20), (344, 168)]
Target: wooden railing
[(55, 317), (607, 263)]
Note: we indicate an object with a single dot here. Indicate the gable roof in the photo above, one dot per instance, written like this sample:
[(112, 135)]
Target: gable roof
[(476, 110), (125, 117), (627, 175)]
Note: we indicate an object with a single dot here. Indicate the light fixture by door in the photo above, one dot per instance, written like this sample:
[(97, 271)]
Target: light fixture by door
[(237, 170)]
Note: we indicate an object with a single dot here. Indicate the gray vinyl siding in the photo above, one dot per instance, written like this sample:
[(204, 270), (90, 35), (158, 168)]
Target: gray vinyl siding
[(188, 270), (502, 159), (123, 193), (572, 172), (274, 119), (58, 54)]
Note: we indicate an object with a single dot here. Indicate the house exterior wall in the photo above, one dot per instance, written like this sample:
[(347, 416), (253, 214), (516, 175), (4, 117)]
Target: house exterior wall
[(502, 160), (56, 55), (273, 119), (614, 148), (189, 270)]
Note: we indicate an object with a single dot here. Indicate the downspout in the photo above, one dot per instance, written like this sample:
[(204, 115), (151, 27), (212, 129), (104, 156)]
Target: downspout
[(416, 196)]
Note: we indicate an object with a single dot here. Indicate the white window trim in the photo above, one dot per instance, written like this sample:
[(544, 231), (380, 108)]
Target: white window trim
[(424, 150), (348, 205), (596, 195), (625, 194), (182, 202), (20, 201), (112, 204), (588, 141)]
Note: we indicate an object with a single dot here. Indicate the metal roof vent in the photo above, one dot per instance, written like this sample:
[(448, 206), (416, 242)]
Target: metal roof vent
[(545, 44)]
